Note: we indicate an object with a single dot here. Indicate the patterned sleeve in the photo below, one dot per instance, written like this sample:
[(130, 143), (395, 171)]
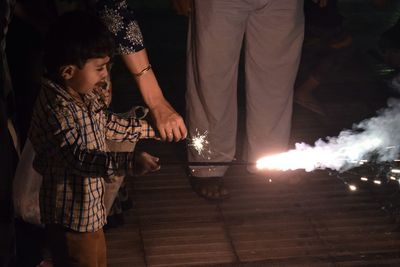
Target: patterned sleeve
[(127, 129), (120, 20), (53, 132)]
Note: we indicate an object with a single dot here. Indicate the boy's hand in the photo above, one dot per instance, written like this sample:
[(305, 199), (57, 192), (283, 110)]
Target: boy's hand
[(145, 163)]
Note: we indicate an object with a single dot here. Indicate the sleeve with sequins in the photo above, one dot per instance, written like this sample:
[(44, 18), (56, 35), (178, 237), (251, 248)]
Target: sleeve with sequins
[(120, 20)]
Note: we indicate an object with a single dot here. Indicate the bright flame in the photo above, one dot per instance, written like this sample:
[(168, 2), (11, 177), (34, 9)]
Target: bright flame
[(378, 136), (331, 155)]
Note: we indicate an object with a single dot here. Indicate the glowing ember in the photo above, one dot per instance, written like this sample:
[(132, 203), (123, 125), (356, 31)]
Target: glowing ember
[(199, 142), (352, 187)]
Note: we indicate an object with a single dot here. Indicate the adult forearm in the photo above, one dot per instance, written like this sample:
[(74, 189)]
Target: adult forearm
[(137, 64), (168, 122)]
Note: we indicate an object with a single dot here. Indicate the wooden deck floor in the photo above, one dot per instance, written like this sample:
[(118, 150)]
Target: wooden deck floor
[(304, 220), (298, 219)]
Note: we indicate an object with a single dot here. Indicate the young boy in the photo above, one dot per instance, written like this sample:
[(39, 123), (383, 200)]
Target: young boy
[(69, 131)]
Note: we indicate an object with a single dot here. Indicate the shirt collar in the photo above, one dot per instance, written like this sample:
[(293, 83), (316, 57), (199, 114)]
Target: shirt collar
[(90, 100)]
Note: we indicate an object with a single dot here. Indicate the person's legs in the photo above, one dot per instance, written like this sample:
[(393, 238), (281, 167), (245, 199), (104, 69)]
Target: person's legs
[(101, 249), (304, 95), (214, 44), (274, 38), (329, 55), (326, 26), (75, 249)]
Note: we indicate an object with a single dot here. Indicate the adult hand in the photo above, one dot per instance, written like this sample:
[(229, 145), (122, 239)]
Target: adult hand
[(168, 122), (182, 7)]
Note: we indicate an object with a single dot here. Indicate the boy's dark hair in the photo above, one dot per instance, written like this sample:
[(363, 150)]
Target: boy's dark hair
[(73, 39)]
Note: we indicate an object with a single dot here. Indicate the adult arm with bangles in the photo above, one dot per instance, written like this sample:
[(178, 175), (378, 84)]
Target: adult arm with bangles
[(130, 45)]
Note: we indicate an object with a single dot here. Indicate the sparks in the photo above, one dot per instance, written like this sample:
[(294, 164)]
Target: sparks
[(199, 142)]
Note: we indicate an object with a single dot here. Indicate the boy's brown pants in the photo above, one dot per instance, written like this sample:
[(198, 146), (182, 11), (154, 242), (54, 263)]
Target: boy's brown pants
[(74, 249)]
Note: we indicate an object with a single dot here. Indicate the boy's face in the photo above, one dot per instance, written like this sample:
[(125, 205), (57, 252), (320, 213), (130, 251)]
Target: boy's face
[(85, 79)]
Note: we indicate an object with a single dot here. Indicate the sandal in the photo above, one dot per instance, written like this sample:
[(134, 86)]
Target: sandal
[(210, 188)]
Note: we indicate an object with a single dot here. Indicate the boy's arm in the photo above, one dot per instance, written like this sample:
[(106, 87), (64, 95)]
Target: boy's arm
[(127, 129), (68, 141), (122, 23), (95, 163)]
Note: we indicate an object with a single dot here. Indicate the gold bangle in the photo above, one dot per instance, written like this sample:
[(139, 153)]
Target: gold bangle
[(143, 71)]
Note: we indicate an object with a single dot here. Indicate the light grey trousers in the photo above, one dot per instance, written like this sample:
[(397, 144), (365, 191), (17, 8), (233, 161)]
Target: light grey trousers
[(271, 33)]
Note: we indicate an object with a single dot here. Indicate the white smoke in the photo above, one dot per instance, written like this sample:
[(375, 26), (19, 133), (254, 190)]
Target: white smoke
[(377, 137)]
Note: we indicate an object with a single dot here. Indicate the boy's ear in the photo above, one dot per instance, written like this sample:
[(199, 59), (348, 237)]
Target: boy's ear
[(67, 72)]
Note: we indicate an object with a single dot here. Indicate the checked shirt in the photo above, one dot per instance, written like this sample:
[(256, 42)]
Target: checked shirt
[(69, 138)]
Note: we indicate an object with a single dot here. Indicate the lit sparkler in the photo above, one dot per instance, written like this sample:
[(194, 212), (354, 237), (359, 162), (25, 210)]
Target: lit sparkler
[(200, 143)]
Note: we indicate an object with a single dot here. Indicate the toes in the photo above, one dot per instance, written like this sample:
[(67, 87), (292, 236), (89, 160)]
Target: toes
[(211, 190), (223, 192), (218, 192), (204, 191)]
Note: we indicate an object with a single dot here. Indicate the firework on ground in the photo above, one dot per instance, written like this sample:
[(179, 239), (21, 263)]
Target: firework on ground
[(376, 137)]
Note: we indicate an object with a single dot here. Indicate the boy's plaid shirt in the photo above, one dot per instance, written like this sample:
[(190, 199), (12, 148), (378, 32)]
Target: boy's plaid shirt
[(69, 140)]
